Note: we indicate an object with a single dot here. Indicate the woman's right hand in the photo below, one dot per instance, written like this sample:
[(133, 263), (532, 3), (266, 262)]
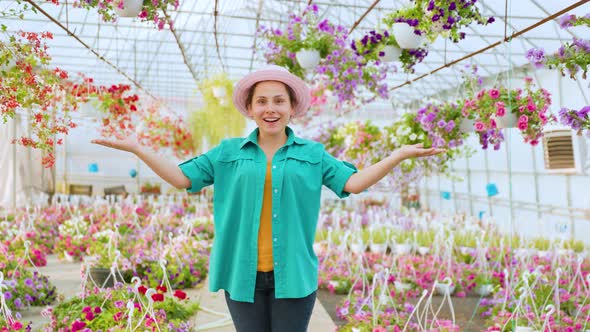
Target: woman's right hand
[(128, 144)]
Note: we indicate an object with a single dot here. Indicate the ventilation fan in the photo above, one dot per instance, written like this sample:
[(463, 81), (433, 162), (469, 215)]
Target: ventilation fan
[(566, 152)]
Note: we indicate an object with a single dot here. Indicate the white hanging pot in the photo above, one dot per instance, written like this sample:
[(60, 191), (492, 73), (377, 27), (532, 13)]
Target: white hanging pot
[(405, 36), (334, 283), (131, 8), (484, 290), (89, 109), (391, 53), (403, 249), (68, 257), (444, 288), (378, 248), (357, 248), (423, 250), (219, 92), (509, 120), (308, 59), (523, 329), (402, 286), (467, 125)]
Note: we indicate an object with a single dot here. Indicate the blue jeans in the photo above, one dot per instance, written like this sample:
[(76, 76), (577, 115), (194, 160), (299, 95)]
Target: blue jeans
[(269, 314)]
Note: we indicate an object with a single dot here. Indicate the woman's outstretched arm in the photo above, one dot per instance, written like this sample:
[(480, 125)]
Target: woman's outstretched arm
[(163, 167), (367, 177)]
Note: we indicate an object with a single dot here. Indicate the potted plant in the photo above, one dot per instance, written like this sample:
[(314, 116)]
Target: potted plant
[(147, 11), (218, 118), (161, 130), (110, 310), (571, 57), (379, 240), (377, 46), (303, 43), (427, 19), (150, 188)]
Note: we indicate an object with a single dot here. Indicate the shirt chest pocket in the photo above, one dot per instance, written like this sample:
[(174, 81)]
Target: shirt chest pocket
[(236, 170), (304, 169)]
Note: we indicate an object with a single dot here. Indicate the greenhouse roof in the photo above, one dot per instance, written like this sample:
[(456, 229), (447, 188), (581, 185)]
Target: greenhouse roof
[(153, 58)]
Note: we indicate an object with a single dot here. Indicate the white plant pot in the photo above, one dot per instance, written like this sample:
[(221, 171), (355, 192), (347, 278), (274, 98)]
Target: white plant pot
[(378, 248), (89, 109), (391, 53), (334, 283), (484, 290), (444, 288), (405, 36), (219, 92), (403, 249), (308, 59), (357, 248), (466, 251), (131, 8), (68, 258), (402, 286), (564, 252), (509, 120), (467, 125), (423, 250)]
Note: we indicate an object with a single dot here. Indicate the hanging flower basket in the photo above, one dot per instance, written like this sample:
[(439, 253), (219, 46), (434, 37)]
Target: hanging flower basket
[(308, 59), (484, 290), (523, 329), (128, 8), (405, 36), (443, 288), (509, 120), (378, 248), (89, 109), (391, 53)]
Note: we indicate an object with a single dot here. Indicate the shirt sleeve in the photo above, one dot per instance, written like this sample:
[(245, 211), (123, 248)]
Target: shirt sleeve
[(200, 170), (335, 174)]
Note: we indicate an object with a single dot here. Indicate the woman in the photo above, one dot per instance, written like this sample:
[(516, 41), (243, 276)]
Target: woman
[(266, 202)]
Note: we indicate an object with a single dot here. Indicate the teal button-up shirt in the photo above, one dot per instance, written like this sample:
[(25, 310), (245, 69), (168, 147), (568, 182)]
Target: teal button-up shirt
[(237, 168)]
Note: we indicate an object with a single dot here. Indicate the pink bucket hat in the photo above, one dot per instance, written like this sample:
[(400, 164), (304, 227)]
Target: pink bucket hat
[(272, 73)]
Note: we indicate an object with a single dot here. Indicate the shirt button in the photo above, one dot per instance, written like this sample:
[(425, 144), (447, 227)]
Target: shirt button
[(276, 263), (275, 239), (276, 191), (274, 215), (274, 166)]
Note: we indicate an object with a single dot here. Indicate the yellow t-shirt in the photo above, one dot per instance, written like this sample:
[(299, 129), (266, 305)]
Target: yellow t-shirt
[(265, 231)]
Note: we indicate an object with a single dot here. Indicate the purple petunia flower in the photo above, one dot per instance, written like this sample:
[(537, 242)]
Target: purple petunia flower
[(430, 5), (452, 6), (491, 20), (441, 124), (435, 18), (566, 21)]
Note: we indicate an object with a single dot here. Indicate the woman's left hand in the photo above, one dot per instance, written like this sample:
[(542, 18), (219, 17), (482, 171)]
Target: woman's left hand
[(417, 150)]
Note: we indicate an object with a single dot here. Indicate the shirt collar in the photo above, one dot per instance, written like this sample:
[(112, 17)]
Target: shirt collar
[(291, 138)]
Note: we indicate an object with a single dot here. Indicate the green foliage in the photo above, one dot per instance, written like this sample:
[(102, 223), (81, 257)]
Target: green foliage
[(218, 118)]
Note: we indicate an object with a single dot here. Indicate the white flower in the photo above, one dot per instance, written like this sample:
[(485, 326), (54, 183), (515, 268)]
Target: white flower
[(413, 136), (392, 139), (348, 141), (400, 130)]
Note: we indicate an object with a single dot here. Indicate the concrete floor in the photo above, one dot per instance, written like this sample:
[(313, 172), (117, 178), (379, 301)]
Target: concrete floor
[(67, 278)]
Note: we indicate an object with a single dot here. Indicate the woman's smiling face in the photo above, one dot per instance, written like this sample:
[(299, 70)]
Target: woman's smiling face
[(271, 107)]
